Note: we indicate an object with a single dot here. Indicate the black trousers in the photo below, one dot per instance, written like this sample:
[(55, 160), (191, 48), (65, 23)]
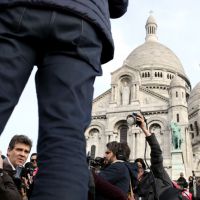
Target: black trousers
[(67, 51)]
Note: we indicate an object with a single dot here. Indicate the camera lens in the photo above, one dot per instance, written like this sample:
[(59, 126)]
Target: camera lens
[(131, 120)]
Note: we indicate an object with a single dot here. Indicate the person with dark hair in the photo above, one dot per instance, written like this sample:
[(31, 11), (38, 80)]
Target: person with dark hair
[(140, 163), (33, 160), (67, 40), (117, 170), (32, 171), (17, 154), (156, 184)]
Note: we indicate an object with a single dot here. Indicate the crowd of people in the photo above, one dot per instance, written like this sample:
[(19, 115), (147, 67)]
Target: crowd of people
[(117, 179)]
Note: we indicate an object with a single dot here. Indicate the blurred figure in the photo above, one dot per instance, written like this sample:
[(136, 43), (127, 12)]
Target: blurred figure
[(33, 160), (198, 189), (182, 181), (190, 185), (67, 40)]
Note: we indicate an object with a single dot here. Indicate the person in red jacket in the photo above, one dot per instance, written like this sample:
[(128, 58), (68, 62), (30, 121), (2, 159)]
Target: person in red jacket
[(67, 40)]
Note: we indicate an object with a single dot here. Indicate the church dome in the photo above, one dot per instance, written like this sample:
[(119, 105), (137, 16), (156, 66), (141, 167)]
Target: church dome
[(151, 20), (154, 55), (194, 99), (177, 82)]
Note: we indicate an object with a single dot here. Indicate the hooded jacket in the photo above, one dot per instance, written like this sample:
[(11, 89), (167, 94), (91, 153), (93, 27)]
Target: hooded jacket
[(96, 12)]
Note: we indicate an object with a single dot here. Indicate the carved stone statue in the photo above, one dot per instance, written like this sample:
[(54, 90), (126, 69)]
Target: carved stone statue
[(176, 135), (125, 94)]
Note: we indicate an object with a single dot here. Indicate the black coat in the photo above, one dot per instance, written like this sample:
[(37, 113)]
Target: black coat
[(97, 12), (162, 182)]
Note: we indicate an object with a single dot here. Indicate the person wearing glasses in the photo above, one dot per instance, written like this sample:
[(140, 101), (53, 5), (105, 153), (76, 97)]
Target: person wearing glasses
[(33, 160)]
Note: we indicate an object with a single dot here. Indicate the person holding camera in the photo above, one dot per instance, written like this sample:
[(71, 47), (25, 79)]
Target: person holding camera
[(11, 181), (116, 172), (156, 184)]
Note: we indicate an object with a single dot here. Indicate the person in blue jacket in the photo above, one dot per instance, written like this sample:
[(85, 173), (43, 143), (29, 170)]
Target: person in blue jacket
[(67, 40)]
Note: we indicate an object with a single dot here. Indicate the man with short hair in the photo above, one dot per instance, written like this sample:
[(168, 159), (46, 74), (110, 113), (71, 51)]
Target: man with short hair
[(33, 160), (17, 154)]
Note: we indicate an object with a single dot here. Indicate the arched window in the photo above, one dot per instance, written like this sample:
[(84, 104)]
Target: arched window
[(156, 129), (93, 132), (191, 127), (176, 94), (142, 75), (196, 127), (123, 133), (177, 118)]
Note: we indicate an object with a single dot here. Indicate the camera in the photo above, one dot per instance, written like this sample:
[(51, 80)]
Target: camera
[(132, 120), (21, 171), (97, 162)]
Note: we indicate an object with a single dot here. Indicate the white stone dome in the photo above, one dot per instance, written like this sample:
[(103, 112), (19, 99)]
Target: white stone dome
[(177, 82), (194, 99), (155, 54), (151, 20)]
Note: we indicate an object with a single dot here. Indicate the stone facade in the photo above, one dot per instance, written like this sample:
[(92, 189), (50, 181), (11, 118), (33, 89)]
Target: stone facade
[(152, 81)]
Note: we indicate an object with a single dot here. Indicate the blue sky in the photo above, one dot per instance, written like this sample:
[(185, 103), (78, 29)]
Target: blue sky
[(178, 29)]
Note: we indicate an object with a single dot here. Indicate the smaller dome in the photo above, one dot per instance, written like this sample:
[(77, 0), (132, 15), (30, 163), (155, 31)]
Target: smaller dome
[(177, 82), (151, 20), (195, 92), (194, 99)]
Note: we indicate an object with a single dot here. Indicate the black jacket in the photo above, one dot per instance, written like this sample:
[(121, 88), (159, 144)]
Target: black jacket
[(97, 12), (161, 181), (8, 189)]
